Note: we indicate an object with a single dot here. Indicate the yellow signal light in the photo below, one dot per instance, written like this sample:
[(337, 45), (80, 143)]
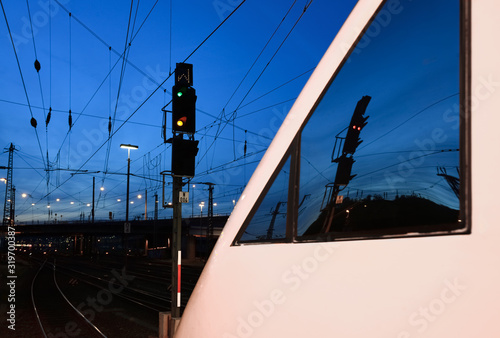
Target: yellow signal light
[(181, 121)]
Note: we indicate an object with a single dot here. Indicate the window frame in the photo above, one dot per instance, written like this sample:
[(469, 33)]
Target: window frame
[(465, 199)]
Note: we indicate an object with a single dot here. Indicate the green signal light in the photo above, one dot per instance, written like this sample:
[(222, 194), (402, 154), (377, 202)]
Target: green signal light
[(179, 93)]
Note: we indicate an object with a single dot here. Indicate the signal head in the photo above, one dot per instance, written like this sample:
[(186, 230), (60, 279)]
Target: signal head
[(183, 109)]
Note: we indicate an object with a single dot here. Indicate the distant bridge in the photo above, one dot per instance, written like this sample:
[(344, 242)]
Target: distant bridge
[(144, 236), (190, 226)]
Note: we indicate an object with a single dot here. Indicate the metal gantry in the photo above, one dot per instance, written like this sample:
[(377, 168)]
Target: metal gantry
[(9, 203)]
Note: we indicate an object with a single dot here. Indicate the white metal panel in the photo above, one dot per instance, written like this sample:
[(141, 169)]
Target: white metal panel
[(442, 286)]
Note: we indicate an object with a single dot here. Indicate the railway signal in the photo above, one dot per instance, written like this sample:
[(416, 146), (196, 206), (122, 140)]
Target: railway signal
[(183, 100), (358, 122), (184, 153), (344, 168), (183, 109), (183, 157)]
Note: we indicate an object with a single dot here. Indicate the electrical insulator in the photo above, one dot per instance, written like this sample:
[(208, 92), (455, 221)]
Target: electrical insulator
[(48, 117)]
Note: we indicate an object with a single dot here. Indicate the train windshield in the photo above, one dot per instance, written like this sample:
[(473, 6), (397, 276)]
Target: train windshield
[(380, 154)]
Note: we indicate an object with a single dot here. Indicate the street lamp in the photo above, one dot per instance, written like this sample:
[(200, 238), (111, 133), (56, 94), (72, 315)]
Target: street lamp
[(24, 195), (128, 147), (201, 205)]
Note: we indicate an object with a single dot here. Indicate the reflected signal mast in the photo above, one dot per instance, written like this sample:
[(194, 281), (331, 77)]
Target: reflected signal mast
[(344, 159)]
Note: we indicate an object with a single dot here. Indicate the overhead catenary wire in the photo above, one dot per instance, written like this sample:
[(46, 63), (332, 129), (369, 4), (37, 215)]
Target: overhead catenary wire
[(251, 67), (220, 127), (83, 114), (114, 51), (410, 118), (97, 35), (148, 97), (24, 84), (260, 54), (70, 118), (109, 73), (37, 68), (126, 51), (120, 82), (275, 53), (46, 118), (132, 122)]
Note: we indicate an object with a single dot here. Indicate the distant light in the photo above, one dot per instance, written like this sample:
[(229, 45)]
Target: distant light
[(32, 203), (139, 196), (128, 146), (118, 200), (215, 204), (102, 188), (71, 202), (88, 204), (24, 195), (131, 202), (58, 199), (48, 206)]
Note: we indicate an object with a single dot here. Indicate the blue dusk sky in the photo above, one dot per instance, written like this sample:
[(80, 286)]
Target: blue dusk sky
[(246, 75)]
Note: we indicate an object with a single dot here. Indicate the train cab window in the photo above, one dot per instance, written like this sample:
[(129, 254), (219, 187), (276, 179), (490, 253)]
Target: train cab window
[(269, 221), (383, 153)]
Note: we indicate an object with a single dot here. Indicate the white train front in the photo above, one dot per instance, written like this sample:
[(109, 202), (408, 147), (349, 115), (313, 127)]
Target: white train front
[(396, 236)]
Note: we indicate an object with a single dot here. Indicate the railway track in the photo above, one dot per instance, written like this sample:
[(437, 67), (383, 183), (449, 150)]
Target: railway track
[(55, 314), (118, 303), (150, 285), (145, 299)]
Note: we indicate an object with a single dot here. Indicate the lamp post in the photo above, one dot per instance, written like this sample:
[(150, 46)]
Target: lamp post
[(127, 225), (128, 147), (192, 203)]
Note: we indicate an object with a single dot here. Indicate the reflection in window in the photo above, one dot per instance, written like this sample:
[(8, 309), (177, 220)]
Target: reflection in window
[(380, 154), (404, 175), (269, 221)]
